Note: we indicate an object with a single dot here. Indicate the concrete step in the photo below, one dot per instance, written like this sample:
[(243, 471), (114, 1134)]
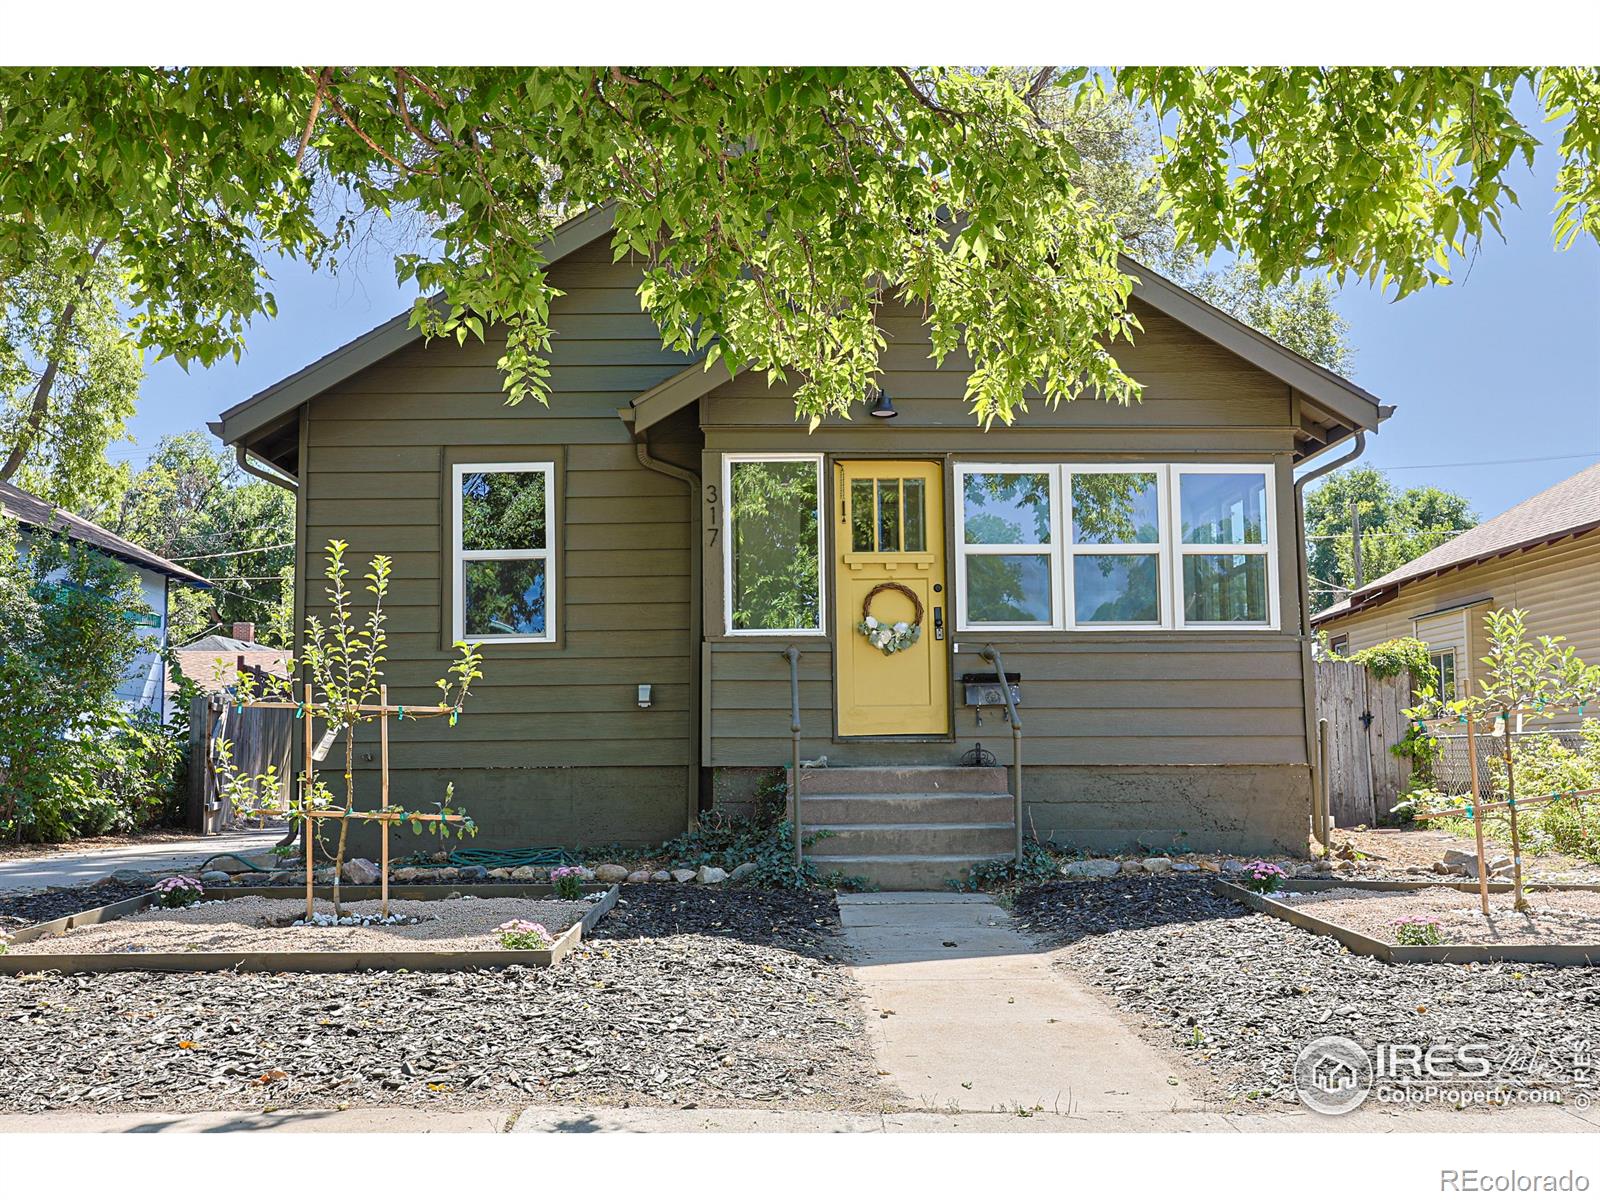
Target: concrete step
[(928, 839), (902, 781), (825, 809), (900, 872)]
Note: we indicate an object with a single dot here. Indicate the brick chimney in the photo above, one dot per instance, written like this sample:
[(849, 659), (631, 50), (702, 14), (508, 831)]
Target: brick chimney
[(244, 631)]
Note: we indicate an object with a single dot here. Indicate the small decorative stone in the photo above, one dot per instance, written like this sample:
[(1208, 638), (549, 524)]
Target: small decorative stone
[(216, 877), (499, 872), (639, 877), (661, 877), (742, 871), (130, 876), (472, 874), (610, 873), (362, 872), (408, 874), (1160, 865), (529, 873), (683, 875), (1132, 866), (1091, 868), (710, 875), (1182, 868)]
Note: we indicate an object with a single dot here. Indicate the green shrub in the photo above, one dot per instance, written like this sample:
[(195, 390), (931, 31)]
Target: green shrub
[(1041, 863), (1417, 931)]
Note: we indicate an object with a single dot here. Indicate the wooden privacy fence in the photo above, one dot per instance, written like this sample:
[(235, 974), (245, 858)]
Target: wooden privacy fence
[(1365, 718), (259, 737)]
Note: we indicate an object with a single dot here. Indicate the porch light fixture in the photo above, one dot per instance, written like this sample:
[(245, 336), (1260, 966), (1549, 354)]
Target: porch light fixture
[(882, 407)]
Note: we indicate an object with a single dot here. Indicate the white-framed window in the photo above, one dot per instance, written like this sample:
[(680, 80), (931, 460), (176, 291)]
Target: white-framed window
[(1008, 547), (503, 569), (1222, 516), (1115, 546), (1443, 663), (771, 506)]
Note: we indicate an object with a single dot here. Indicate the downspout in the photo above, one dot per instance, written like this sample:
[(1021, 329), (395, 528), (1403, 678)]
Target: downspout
[(696, 582), (1320, 817)]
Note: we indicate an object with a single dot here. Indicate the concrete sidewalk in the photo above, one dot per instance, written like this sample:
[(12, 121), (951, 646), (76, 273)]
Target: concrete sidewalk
[(967, 1016), (743, 1120), (74, 869)]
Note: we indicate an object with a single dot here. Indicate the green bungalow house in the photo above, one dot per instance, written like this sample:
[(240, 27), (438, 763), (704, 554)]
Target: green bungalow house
[(637, 558)]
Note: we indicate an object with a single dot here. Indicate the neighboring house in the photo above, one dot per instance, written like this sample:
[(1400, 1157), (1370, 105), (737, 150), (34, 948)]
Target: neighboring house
[(144, 687), (636, 557), (213, 661), (1543, 556)]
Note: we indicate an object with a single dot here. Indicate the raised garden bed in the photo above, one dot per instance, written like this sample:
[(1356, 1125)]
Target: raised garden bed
[(1563, 929), (250, 930)]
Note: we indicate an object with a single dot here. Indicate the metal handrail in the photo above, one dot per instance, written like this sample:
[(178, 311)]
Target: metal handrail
[(991, 655), (792, 653)]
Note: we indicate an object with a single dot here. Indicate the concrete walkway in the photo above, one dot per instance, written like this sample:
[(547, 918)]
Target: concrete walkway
[(1545, 1119), (967, 1016), (73, 869)]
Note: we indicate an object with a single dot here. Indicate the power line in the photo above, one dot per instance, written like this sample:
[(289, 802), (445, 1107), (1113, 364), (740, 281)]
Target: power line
[(233, 553), (1367, 533), (1490, 462)]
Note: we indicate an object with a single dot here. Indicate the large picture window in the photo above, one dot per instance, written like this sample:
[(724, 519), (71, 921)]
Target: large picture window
[(504, 577), (772, 554), (1114, 546)]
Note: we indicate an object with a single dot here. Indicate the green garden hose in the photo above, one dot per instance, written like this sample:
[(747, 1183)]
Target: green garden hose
[(528, 856)]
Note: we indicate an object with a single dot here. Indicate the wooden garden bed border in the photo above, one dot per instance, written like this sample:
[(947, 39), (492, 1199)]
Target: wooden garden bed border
[(1575, 955), (13, 963)]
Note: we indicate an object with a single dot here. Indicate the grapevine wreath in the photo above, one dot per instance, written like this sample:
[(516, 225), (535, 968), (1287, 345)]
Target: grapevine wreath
[(890, 638)]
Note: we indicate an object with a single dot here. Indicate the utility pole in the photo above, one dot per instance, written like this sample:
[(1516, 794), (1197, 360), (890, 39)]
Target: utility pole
[(1355, 545)]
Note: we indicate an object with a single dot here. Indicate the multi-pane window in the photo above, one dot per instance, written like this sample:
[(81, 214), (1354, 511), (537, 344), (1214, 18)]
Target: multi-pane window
[(888, 515), (504, 577), (1007, 576), (1443, 663), (1158, 546), (773, 547)]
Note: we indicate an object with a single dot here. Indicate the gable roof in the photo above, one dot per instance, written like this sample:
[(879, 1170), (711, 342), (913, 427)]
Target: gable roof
[(29, 510), (1331, 407), (1569, 508)]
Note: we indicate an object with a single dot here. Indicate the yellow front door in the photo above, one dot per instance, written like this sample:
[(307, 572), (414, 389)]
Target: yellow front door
[(890, 531)]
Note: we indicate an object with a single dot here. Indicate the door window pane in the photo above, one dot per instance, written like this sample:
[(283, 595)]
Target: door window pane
[(503, 510), (1225, 588), (1006, 508), (888, 514), (915, 523), (1115, 509), (1223, 510), (1116, 589), (1008, 589), (505, 597), (776, 576), (861, 539)]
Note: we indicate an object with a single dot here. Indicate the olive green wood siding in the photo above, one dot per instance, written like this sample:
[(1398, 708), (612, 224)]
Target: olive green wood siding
[(1089, 699), (553, 747)]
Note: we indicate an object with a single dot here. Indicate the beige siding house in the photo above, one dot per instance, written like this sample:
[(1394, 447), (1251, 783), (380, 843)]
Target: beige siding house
[(1543, 556), (1135, 567)]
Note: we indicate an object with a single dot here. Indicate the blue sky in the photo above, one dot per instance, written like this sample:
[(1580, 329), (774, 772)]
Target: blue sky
[(1503, 364)]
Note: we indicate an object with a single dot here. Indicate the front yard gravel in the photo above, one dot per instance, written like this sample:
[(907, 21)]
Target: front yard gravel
[(1240, 993), (683, 996)]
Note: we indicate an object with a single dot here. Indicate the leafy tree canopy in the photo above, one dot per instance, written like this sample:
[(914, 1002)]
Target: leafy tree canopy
[(193, 500), (770, 206), (1397, 525)]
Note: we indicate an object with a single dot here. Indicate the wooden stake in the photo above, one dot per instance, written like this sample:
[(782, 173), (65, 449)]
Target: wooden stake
[(383, 802), (308, 828), (1477, 817), (1521, 902)]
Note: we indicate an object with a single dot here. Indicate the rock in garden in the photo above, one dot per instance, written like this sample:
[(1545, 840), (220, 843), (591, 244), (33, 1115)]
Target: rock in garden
[(254, 878), (1091, 868), (742, 871), (216, 877), (1132, 866), (472, 874), (1182, 868), (661, 877), (610, 873), (529, 873), (407, 874), (1160, 866), (129, 875), (639, 877), (710, 875), (682, 875), (362, 872), (499, 872)]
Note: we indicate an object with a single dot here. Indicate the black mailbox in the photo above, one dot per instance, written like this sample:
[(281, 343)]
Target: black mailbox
[(983, 690)]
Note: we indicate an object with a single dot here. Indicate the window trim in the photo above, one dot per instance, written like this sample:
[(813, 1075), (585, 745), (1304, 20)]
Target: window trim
[(460, 556), (726, 507), (1441, 654), (1051, 548), (1268, 549), (1169, 550)]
